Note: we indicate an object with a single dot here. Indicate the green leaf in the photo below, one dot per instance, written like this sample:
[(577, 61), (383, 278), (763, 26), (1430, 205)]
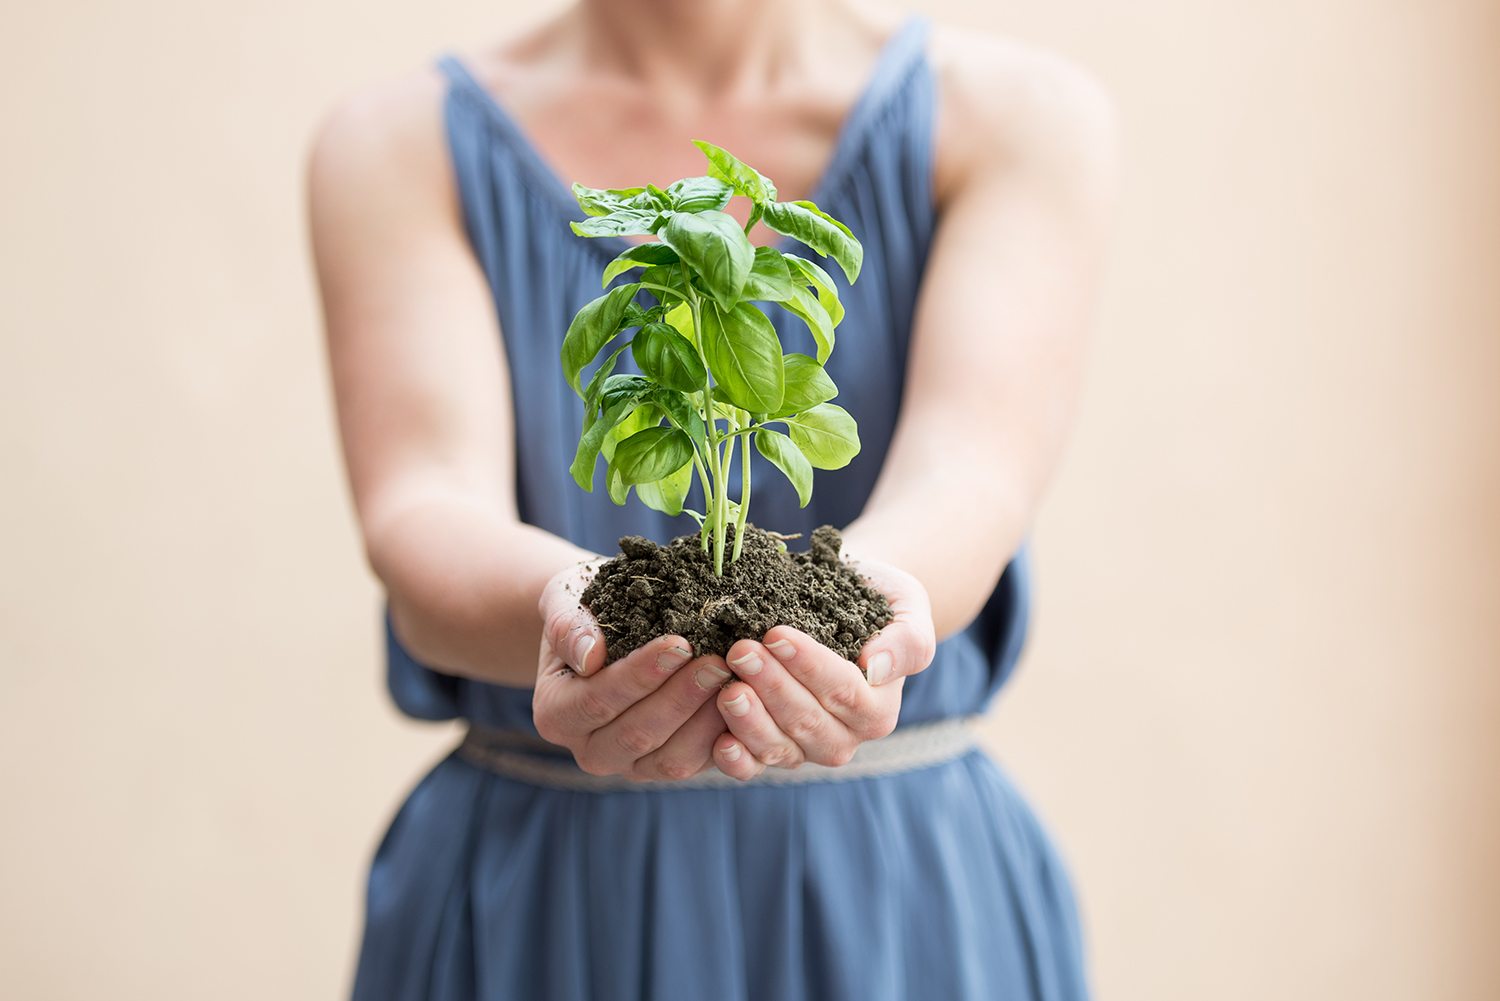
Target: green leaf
[(669, 275), (681, 411), (715, 247), (595, 388), (622, 222), (826, 435), (666, 356), (592, 327), (813, 274), (603, 201), (618, 489), (619, 405), (680, 316), (695, 194), (805, 304), (807, 385), (634, 316), (745, 179), (645, 415), (770, 279), (788, 458), (745, 355), (651, 454), (802, 220), (640, 255), (622, 385), (667, 494)]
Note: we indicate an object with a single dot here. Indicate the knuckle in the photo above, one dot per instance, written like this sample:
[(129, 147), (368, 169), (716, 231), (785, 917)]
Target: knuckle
[(845, 700), (803, 725), (877, 725), (780, 756), (685, 699), (557, 627), (592, 710), (772, 686), (840, 755), (635, 741), (591, 763), (675, 769), (546, 727)]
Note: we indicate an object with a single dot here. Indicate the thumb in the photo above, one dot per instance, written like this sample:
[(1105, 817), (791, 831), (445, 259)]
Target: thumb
[(568, 628)]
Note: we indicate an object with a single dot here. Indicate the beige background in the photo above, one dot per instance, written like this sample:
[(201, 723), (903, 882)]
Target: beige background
[(1261, 709)]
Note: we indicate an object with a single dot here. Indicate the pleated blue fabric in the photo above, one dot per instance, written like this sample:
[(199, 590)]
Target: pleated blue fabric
[(937, 883)]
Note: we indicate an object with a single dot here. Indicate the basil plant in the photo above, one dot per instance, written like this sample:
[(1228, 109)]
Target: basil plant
[(713, 376)]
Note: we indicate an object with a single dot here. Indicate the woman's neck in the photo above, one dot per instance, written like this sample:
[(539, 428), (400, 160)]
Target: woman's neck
[(712, 48)]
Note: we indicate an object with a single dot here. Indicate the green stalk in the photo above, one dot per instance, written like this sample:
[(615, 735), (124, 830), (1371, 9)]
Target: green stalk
[(713, 500), (739, 527), (721, 512), (707, 497)]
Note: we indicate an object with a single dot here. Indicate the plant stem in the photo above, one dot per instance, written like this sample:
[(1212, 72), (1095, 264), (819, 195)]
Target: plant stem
[(713, 493), (739, 526), (707, 499), (745, 431), (721, 511), (658, 288)]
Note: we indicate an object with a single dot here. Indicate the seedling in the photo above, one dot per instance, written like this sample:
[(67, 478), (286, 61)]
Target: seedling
[(713, 375)]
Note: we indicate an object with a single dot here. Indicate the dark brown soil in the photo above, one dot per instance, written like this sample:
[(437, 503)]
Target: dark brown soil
[(651, 590)]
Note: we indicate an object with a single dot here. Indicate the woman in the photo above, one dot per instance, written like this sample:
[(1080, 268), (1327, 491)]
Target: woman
[(675, 852)]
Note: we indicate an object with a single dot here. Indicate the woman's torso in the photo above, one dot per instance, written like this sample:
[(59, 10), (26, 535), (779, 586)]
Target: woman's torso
[(879, 181)]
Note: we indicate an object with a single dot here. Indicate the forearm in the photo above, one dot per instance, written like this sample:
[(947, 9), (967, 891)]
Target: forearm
[(463, 581), (951, 521)]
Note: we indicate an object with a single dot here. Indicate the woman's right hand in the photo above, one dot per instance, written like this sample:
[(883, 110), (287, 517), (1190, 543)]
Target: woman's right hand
[(649, 716)]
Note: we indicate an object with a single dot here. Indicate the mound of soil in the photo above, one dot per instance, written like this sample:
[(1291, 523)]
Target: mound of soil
[(650, 590)]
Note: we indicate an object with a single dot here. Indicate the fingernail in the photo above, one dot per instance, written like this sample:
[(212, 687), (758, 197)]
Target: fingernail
[(879, 668), (731, 753), (581, 650), (672, 658), (782, 649), (710, 676), (737, 706), (749, 664)]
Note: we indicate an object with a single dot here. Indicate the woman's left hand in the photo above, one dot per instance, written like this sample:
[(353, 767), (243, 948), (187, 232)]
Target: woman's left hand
[(795, 700)]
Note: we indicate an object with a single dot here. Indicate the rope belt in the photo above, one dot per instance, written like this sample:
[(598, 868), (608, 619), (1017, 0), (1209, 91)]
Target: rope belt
[(528, 758)]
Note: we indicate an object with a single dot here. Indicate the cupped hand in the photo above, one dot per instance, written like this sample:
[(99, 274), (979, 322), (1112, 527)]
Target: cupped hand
[(648, 716), (795, 700)]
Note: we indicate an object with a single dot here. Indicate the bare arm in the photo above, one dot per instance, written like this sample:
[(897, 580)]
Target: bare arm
[(997, 350), (422, 392), (1000, 331)]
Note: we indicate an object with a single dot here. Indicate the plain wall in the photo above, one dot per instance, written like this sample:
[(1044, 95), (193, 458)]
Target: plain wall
[(1259, 707)]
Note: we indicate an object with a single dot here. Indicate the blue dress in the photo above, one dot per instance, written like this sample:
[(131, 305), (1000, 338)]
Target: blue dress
[(936, 883)]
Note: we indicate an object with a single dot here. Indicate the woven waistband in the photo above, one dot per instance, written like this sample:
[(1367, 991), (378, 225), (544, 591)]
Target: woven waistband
[(530, 759)]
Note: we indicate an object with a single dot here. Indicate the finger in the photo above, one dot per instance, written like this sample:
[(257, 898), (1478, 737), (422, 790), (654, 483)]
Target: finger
[(734, 760), (834, 683), (906, 645), (687, 751), (575, 636), (646, 725), (569, 627), (747, 719), (798, 713), (572, 705)]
